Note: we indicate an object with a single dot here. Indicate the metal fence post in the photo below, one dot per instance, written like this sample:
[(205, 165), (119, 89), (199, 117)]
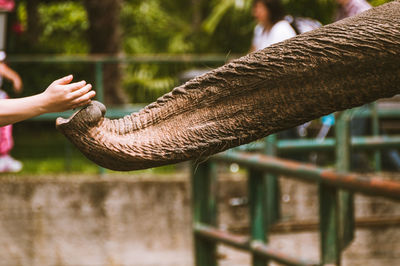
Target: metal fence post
[(329, 242), (375, 132), (258, 216), (329, 216), (272, 195), (99, 93), (346, 198), (204, 196)]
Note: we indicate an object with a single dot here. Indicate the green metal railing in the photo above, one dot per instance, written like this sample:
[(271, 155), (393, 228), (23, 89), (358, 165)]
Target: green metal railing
[(336, 201)]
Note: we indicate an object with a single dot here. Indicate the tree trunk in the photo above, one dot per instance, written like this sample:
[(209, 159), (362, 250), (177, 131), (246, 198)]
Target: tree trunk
[(33, 31), (105, 38), (197, 15), (339, 66)]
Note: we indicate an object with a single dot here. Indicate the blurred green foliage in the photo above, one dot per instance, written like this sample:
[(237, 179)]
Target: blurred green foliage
[(156, 26), (150, 28), (63, 26)]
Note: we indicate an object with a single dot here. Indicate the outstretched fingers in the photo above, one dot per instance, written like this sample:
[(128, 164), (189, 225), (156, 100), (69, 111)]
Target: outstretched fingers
[(82, 96), (75, 86), (82, 91), (63, 81)]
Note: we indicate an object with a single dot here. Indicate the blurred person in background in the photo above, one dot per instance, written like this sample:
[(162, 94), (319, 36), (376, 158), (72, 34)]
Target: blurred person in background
[(271, 26), (8, 163), (358, 126), (348, 8)]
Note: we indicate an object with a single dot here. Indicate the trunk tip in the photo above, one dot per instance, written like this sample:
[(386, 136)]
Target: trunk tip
[(89, 115)]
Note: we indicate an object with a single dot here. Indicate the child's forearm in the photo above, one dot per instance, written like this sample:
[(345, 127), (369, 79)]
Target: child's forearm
[(15, 110), (60, 96)]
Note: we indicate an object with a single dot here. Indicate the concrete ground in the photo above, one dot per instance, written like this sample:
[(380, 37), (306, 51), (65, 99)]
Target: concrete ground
[(145, 221)]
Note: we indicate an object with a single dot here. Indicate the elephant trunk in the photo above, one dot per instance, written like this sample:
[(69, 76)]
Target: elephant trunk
[(339, 66)]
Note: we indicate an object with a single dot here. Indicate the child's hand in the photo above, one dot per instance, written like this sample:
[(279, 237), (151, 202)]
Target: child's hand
[(12, 76), (62, 95), (17, 85)]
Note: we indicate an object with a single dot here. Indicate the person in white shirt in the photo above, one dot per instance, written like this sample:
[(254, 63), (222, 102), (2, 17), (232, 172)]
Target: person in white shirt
[(272, 27), (349, 8)]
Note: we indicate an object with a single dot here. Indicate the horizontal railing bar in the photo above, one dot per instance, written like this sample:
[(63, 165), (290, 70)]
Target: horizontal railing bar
[(51, 116), (111, 113), (384, 109), (370, 143), (313, 225), (244, 243), (382, 113), (375, 142), (353, 182), (103, 58), (302, 145)]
